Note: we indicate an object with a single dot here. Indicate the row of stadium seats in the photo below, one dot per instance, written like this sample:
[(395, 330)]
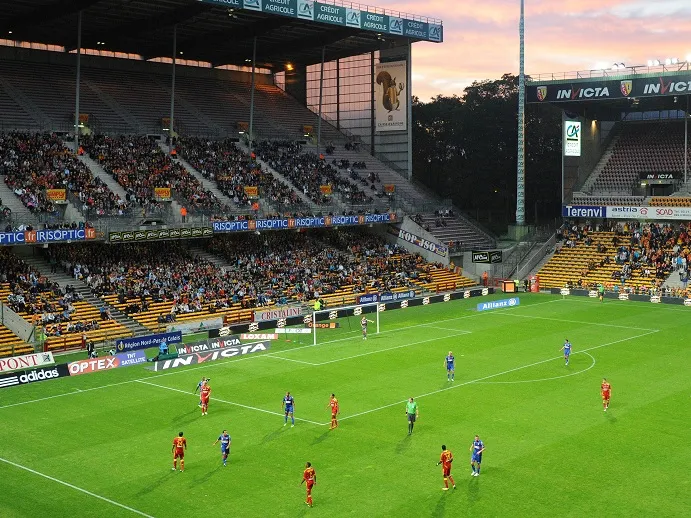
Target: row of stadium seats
[(634, 201), (308, 173), (135, 101), (140, 166), (670, 201), (591, 258), (233, 170), (649, 147), (31, 163), (11, 344), (44, 305)]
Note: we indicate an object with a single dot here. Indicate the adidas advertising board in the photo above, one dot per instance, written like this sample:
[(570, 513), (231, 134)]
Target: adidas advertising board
[(34, 376)]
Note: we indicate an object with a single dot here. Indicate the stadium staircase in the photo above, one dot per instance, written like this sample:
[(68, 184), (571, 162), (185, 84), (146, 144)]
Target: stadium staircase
[(12, 201), (209, 185), (100, 173), (458, 230), (125, 325), (266, 167), (26, 103), (14, 116), (589, 183), (131, 124)]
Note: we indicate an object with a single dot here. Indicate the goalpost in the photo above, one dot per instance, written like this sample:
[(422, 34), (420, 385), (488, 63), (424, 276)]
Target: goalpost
[(337, 321)]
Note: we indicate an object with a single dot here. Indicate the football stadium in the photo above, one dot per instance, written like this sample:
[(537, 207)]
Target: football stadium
[(232, 282)]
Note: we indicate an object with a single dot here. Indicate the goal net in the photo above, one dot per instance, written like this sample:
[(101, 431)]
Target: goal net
[(343, 323)]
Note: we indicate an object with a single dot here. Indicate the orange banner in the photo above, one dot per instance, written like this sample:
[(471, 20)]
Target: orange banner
[(83, 118), (57, 195), (325, 190), (162, 193), (389, 188), (251, 191)]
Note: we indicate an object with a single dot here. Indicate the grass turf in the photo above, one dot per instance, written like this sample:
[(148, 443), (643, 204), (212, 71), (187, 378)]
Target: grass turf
[(551, 450)]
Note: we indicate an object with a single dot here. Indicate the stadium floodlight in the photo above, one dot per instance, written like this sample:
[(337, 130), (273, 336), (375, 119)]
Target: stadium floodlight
[(688, 58), (289, 67), (653, 62), (671, 61)]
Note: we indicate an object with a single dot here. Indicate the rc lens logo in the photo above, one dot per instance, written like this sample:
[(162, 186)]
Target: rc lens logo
[(466, 295), (541, 93), (333, 315), (626, 87), (404, 304), (447, 297), (253, 327), (425, 301), (281, 322), (382, 307), (357, 311)]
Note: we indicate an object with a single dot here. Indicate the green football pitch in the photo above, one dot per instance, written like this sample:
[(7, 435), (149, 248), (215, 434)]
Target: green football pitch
[(100, 444)]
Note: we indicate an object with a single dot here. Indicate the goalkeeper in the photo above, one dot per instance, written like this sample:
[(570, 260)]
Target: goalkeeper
[(363, 325)]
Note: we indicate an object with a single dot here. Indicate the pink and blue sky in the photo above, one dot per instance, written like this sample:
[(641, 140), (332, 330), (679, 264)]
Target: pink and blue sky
[(481, 37)]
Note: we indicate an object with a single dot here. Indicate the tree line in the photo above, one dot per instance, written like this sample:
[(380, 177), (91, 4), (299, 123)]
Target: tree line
[(465, 148)]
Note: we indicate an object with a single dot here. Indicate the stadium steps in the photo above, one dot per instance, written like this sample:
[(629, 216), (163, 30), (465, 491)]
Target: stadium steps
[(14, 116), (215, 259), (209, 185), (266, 167), (40, 263), (457, 230), (111, 103), (12, 201), (99, 172), (673, 281), (589, 184), (27, 104), (213, 128)]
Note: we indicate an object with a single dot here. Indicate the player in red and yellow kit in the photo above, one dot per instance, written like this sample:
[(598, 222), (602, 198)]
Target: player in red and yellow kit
[(333, 403), (179, 447), (445, 460), (205, 393), (606, 391), (309, 476)]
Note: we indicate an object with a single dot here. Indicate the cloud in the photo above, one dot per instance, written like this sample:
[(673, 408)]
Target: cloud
[(481, 37)]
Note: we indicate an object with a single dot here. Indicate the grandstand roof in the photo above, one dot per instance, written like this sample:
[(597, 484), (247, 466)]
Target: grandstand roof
[(206, 31)]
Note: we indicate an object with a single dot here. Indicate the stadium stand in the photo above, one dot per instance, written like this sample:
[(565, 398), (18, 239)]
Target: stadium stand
[(233, 170), (309, 173), (634, 201), (454, 231), (139, 165), (158, 283), (61, 313), (629, 256), (34, 162), (642, 147)]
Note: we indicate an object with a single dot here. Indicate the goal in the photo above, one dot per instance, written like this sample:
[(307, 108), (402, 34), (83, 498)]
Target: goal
[(342, 323)]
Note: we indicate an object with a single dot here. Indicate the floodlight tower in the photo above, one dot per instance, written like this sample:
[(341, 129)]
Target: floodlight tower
[(520, 170)]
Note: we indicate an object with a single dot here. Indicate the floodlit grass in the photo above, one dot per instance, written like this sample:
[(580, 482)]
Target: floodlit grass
[(551, 450)]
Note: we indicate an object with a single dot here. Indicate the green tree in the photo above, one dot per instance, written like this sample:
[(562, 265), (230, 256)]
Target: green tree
[(465, 148)]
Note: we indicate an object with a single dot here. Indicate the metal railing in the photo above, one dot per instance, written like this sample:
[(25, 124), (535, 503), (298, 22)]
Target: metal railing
[(598, 73), (538, 256)]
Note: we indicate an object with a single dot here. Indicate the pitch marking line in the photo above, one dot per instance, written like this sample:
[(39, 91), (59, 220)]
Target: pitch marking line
[(495, 375), (578, 322), (112, 502), (544, 379), (248, 407), (459, 333), (272, 355), (230, 362)]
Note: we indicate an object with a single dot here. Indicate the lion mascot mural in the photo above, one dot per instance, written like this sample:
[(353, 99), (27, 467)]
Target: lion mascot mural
[(391, 90)]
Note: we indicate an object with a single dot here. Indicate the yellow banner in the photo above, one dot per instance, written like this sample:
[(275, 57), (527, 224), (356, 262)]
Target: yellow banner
[(57, 195), (162, 193), (251, 191), (325, 190), (389, 188)]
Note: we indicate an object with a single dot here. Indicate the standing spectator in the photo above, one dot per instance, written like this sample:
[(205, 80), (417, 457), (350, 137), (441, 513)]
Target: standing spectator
[(183, 214)]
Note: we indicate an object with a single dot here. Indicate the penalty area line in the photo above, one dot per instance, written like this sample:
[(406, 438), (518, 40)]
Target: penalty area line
[(248, 407), (76, 488)]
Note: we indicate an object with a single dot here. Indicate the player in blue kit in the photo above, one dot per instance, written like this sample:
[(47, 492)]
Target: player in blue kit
[(288, 405), (450, 371), (567, 351), (476, 450), (224, 439)]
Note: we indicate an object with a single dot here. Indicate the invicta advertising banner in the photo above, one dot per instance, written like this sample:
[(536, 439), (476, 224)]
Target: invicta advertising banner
[(390, 94)]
